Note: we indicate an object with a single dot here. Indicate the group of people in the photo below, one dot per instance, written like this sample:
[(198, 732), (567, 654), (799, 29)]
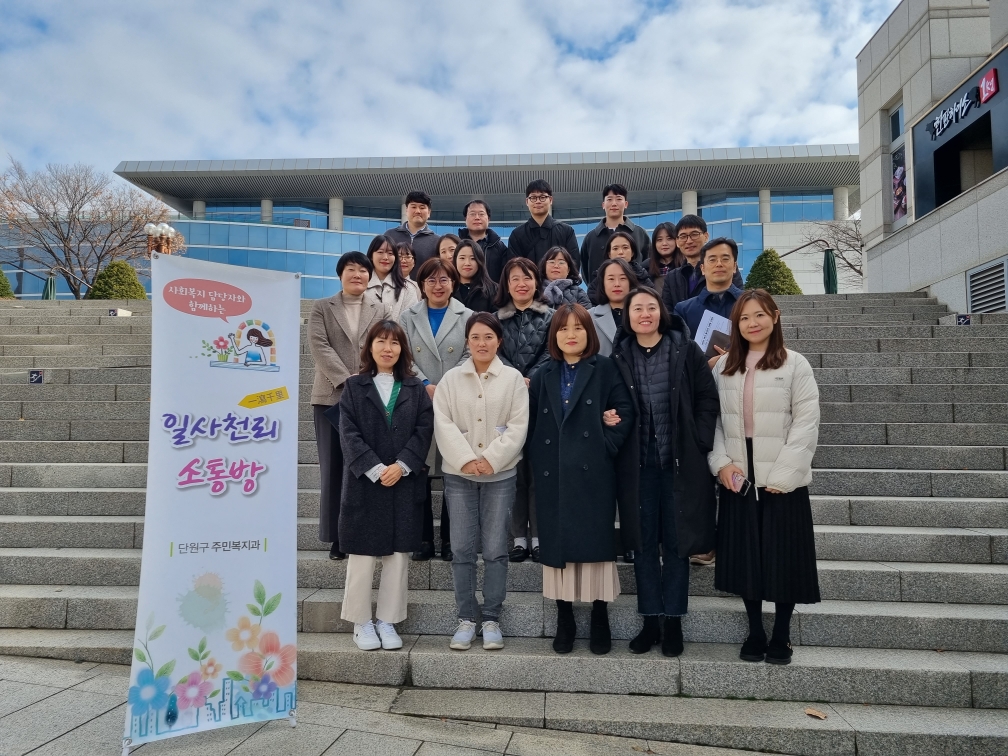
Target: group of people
[(571, 425)]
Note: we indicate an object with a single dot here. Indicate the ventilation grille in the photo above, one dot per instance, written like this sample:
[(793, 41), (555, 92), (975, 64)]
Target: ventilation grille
[(987, 288)]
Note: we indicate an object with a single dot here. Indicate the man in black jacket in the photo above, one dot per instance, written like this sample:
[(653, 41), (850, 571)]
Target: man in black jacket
[(540, 232), (614, 202), (688, 281), (477, 228), (415, 231)]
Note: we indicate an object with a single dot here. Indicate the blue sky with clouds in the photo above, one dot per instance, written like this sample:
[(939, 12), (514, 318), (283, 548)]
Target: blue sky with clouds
[(100, 82)]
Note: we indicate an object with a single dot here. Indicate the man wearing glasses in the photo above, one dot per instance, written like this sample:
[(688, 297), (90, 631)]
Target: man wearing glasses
[(477, 228), (614, 203), (540, 232), (688, 281)]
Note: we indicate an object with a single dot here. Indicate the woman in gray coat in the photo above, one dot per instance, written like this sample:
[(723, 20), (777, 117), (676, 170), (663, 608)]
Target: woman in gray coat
[(435, 328), (617, 281), (337, 328)]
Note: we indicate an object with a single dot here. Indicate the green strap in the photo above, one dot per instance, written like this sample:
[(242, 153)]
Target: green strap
[(390, 406)]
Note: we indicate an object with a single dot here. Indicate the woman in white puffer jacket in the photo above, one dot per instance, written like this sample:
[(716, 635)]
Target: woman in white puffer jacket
[(764, 442)]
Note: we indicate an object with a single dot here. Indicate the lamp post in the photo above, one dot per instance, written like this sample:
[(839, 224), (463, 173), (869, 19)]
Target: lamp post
[(159, 238)]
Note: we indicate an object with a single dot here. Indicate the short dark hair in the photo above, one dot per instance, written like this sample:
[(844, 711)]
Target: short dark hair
[(554, 252), (615, 189), (622, 265), (717, 243), (404, 365), (448, 237), (528, 267), (691, 221), (465, 210), (489, 320), (622, 235), (417, 196), (560, 318), (434, 265), (664, 319), (355, 258), (539, 185)]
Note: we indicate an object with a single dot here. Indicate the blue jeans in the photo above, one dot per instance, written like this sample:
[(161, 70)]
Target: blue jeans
[(662, 583), (480, 515)]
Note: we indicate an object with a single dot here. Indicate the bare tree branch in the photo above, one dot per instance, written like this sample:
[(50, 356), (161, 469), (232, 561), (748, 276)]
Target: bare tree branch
[(844, 238), (74, 220)]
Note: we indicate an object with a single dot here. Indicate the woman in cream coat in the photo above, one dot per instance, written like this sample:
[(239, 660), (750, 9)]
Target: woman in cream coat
[(435, 328), (763, 446), (388, 284)]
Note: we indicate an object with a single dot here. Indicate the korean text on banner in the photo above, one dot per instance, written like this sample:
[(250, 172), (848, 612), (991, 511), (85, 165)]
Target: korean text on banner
[(216, 631)]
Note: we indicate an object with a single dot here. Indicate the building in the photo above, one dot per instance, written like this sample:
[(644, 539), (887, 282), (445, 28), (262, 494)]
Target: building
[(300, 215), (934, 149)]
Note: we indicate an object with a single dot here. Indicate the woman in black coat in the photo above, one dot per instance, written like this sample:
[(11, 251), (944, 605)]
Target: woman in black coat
[(580, 414), (474, 289), (386, 426), (677, 406)]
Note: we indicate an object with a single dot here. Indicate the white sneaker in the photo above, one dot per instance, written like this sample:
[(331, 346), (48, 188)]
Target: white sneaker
[(464, 634), (390, 639), (493, 638), (365, 637)]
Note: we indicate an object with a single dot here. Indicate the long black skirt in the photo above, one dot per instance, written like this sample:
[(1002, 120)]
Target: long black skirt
[(766, 545)]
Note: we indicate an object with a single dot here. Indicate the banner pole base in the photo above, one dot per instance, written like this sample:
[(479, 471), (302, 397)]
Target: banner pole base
[(127, 742), (291, 717)]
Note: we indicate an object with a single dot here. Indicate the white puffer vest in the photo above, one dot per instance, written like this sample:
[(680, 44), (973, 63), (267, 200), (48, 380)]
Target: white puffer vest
[(785, 424)]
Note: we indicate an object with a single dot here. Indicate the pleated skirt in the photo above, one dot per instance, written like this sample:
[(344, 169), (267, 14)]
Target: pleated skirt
[(582, 581), (766, 545)]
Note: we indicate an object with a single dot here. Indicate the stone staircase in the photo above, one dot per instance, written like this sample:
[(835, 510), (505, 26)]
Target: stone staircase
[(908, 652)]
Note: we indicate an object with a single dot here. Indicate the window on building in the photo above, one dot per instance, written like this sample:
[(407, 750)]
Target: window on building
[(898, 163), (896, 123)]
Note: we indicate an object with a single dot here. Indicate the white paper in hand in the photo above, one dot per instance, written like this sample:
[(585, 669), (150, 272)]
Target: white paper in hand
[(709, 323)]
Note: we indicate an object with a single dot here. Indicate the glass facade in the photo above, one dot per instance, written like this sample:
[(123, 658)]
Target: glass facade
[(234, 234)]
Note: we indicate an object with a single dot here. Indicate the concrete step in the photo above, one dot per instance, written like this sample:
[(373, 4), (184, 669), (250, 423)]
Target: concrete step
[(55, 338), (854, 344), (906, 393), (89, 376), (943, 483), (100, 475), (906, 412), (76, 327), (142, 348), (812, 317), (915, 375), (913, 434), (76, 430), (954, 359), (897, 457), (910, 511), (58, 362)]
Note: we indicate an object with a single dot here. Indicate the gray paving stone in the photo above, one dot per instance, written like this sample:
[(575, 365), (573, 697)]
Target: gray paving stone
[(905, 544), (16, 695), (53, 673), (102, 734), (439, 749), (117, 430), (950, 434), (211, 743), (35, 430), (531, 664), (353, 696), (353, 743), (889, 412), (926, 731), (103, 646), (78, 475), (989, 677), (109, 679), (107, 410), (74, 502), (32, 531), (955, 583), (891, 457), (507, 707), (541, 742), (279, 737), (49, 718), (858, 581), (829, 482), (938, 512), (859, 675), (333, 657), (54, 566), (761, 725)]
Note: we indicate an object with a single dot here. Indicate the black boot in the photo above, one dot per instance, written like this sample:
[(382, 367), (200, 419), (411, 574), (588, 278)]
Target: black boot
[(754, 649), (779, 648), (563, 643), (335, 554), (601, 638), (425, 552), (672, 643), (649, 636)]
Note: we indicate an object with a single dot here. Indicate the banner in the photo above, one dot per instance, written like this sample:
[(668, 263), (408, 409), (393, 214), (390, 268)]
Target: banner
[(216, 631)]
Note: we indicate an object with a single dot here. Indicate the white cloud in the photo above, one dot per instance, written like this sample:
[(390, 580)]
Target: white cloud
[(105, 82)]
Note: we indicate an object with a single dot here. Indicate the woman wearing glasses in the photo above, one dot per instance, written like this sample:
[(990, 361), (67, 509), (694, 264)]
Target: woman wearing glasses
[(388, 285), (557, 269), (435, 330)]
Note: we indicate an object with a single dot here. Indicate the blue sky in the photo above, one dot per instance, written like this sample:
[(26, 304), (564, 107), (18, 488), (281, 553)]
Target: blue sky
[(100, 82)]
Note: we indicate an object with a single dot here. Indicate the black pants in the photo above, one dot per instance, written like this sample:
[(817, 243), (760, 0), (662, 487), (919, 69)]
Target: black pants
[(428, 517), (330, 455)]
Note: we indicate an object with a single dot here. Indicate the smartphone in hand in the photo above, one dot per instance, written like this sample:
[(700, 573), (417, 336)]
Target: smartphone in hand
[(742, 484)]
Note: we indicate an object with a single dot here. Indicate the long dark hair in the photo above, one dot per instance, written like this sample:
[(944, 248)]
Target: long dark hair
[(554, 252), (623, 235), (398, 279), (263, 341), (389, 329), (738, 350), (528, 267), (654, 261), (481, 281), (623, 265)]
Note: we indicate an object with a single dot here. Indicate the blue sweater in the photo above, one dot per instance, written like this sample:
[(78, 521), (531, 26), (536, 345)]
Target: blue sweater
[(692, 310)]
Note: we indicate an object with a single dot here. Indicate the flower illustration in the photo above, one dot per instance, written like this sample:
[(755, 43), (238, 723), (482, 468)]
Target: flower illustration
[(220, 342), (246, 635), (272, 658), (193, 692), (264, 688), (149, 692), (210, 669)]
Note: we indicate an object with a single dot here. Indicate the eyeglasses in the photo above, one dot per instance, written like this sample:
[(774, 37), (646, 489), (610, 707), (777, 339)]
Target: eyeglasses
[(691, 236), (437, 281), (476, 214), (538, 197)]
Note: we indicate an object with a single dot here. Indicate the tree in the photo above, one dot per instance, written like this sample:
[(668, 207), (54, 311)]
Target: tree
[(769, 272), (74, 220), (117, 280), (6, 292), (844, 238)]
